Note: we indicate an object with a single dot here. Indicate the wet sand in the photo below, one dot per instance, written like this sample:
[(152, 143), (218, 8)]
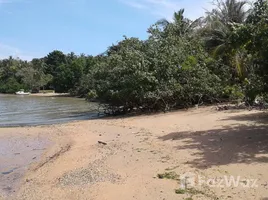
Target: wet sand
[(200, 141), (16, 155)]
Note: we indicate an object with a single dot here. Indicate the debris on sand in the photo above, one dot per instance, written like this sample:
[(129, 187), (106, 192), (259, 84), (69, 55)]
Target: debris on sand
[(100, 142), (96, 172)]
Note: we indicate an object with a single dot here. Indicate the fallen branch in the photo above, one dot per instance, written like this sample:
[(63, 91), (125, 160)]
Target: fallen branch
[(100, 142)]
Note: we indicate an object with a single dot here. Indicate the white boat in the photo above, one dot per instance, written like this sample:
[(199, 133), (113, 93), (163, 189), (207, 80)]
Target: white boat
[(21, 92)]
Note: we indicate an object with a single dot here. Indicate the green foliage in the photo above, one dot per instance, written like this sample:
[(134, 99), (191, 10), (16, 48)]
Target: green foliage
[(10, 86), (191, 191), (222, 56), (91, 95), (234, 92), (253, 39), (168, 175), (165, 72), (180, 191)]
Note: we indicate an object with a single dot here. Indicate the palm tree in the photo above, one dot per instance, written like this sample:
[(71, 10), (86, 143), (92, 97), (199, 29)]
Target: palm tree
[(216, 36), (218, 31), (219, 24), (180, 25), (229, 11)]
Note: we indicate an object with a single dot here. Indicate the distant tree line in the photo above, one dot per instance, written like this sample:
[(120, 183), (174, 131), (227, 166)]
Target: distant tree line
[(221, 56)]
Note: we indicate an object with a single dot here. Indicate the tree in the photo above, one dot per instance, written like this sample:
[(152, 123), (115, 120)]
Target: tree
[(181, 63), (229, 11), (53, 65), (219, 22), (253, 36), (10, 82), (53, 60), (28, 76), (218, 36), (180, 26)]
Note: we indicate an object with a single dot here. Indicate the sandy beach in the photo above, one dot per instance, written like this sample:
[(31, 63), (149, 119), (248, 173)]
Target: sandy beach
[(142, 157), (50, 94)]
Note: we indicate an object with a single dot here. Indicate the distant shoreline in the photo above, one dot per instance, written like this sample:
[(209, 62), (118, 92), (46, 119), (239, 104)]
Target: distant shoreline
[(51, 94), (45, 94)]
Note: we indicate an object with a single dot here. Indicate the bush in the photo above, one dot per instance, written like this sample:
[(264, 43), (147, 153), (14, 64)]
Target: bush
[(91, 95), (11, 86), (141, 75)]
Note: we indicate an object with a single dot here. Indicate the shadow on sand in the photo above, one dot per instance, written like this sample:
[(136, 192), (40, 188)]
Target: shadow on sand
[(229, 145)]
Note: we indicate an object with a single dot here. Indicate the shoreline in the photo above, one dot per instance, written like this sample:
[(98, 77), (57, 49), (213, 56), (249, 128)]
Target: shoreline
[(51, 95), (13, 168), (42, 94), (203, 141)]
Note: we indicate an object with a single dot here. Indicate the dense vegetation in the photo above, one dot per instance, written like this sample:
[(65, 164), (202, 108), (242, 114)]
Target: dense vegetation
[(221, 56)]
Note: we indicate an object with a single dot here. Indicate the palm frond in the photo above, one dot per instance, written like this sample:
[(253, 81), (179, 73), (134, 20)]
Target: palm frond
[(219, 50)]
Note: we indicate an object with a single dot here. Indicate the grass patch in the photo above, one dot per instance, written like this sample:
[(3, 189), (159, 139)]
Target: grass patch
[(194, 191), (191, 191), (180, 191), (168, 175)]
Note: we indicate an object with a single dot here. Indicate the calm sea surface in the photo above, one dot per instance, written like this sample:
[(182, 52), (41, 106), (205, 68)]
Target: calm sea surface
[(16, 110)]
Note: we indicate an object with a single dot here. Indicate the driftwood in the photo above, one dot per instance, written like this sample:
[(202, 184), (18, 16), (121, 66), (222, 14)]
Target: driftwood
[(243, 105), (100, 142)]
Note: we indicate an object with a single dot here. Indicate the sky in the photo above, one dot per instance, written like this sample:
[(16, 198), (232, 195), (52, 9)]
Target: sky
[(33, 28)]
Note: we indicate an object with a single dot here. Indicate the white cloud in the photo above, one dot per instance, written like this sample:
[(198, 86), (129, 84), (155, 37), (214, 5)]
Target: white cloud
[(165, 8), (136, 5), (7, 50)]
